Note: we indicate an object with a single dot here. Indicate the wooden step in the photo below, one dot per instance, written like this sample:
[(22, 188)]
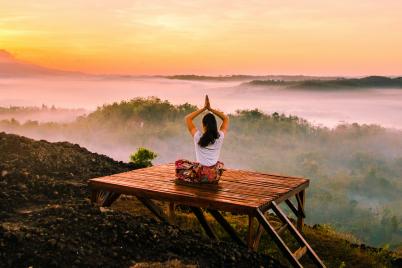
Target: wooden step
[(297, 235), (300, 252), (282, 229)]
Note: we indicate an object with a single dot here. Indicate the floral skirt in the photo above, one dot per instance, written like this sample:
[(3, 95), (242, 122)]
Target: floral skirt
[(193, 172)]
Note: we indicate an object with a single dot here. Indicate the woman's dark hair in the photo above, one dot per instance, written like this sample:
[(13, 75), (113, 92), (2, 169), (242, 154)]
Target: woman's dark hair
[(211, 130)]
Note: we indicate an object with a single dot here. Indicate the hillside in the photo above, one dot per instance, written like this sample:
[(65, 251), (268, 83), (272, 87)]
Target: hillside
[(366, 82), (44, 205)]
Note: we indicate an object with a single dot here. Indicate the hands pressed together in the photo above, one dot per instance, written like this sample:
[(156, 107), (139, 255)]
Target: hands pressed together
[(207, 105)]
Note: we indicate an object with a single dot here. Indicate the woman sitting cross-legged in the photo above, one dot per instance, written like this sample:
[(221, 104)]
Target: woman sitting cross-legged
[(208, 144)]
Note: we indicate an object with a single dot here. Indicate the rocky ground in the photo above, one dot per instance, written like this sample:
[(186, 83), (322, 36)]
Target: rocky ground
[(46, 219)]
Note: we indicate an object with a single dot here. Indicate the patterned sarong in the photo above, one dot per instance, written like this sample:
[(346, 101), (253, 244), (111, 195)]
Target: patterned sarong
[(193, 172)]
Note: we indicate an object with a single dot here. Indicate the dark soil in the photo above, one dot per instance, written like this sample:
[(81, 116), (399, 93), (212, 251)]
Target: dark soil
[(46, 219)]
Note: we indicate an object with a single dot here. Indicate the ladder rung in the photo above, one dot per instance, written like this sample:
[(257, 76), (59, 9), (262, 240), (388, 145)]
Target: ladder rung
[(281, 229), (300, 252)]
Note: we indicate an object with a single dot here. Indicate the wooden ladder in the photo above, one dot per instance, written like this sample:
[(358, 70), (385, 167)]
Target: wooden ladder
[(293, 257)]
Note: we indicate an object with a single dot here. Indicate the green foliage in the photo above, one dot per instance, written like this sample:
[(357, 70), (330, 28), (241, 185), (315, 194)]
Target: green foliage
[(355, 170), (143, 157)]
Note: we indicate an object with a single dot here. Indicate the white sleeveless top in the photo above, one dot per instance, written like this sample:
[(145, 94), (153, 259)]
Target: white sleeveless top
[(208, 156)]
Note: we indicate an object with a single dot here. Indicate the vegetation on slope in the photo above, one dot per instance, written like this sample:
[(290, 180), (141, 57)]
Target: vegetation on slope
[(355, 170)]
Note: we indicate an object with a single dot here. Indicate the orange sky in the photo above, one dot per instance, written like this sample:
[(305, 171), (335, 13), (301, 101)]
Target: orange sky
[(317, 37)]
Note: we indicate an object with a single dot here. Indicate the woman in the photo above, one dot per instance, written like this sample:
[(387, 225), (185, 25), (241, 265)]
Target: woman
[(208, 144)]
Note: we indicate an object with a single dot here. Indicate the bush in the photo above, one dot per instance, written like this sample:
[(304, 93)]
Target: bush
[(143, 157)]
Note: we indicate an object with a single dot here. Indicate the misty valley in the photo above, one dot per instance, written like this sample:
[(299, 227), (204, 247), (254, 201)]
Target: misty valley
[(355, 169)]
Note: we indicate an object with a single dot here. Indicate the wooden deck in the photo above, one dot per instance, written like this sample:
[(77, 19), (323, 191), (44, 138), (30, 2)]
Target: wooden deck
[(238, 191)]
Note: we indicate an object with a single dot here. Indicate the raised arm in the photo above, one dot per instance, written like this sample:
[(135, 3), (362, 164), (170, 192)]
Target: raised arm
[(225, 119), (189, 120)]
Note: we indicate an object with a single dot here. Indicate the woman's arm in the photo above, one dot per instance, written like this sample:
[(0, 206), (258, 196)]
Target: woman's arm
[(189, 120), (225, 119)]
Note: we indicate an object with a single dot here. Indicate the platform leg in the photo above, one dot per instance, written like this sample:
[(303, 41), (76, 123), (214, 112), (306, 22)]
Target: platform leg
[(300, 197), (227, 227), (250, 235), (109, 199), (257, 238), (157, 211), (204, 223)]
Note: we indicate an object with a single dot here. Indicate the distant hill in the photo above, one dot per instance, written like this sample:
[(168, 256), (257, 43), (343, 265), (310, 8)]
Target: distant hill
[(366, 82), (12, 67), (228, 78)]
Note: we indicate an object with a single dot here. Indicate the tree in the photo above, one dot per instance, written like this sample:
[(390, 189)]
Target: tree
[(143, 157)]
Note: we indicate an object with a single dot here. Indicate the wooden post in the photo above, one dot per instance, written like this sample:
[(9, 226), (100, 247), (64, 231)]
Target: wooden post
[(257, 238), (300, 206), (250, 230)]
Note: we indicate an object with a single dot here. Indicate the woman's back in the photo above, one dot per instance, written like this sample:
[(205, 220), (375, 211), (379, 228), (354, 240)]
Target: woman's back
[(209, 155)]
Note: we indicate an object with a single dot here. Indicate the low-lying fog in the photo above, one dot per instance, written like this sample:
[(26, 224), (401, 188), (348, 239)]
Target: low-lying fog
[(328, 108)]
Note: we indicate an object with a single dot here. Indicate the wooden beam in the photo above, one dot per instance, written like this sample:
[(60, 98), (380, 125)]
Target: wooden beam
[(227, 227), (292, 208), (257, 238), (301, 198), (278, 240), (204, 223), (109, 199), (157, 211), (282, 229), (250, 230)]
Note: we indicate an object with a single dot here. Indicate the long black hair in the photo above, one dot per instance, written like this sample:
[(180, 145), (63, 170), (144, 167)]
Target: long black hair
[(211, 130)]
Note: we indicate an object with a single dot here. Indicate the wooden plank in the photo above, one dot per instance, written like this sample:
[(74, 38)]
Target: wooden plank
[(179, 199), (204, 223), (252, 184), (193, 192), (157, 211), (231, 173), (236, 174), (282, 229), (278, 240), (222, 187), (292, 207), (297, 235), (226, 226), (300, 252)]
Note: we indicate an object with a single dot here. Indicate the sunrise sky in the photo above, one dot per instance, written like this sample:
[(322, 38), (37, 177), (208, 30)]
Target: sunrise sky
[(312, 37)]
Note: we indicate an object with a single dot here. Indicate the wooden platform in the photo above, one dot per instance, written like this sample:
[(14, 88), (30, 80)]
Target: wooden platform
[(238, 191)]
